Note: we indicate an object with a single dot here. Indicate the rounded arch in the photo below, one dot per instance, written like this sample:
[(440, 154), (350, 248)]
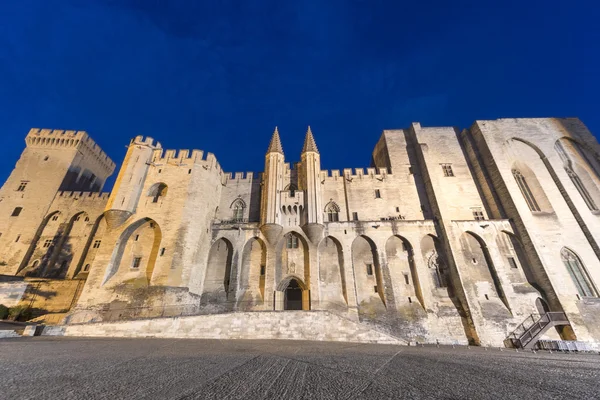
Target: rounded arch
[(367, 272), (219, 274), (332, 274), (401, 262), (157, 190), (139, 256), (578, 273)]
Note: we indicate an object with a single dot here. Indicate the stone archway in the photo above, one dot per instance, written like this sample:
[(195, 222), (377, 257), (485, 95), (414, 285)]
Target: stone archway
[(292, 296)]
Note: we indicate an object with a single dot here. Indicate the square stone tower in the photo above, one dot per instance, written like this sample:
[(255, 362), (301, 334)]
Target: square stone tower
[(53, 161)]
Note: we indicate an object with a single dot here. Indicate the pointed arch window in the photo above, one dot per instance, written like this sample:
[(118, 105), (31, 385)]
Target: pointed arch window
[(292, 189), (333, 212), (589, 201), (526, 191), (578, 273), (238, 207)]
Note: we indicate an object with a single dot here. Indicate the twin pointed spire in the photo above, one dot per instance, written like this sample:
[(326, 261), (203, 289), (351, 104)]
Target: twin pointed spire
[(309, 143), (275, 145)]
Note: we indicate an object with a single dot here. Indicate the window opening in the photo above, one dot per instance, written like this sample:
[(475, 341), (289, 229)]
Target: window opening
[(377, 194), (478, 214), (447, 168), (136, 262), (512, 262), (16, 211), (369, 269), (526, 191), (22, 186), (578, 273), (96, 244)]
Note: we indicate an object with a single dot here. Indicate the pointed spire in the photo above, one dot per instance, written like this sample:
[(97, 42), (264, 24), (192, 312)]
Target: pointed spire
[(275, 145), (309, 142)]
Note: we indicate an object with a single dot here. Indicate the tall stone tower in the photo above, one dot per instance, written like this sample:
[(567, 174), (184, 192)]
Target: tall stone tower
[(130, 181), (272, 185), (310, 169), (53, 161)]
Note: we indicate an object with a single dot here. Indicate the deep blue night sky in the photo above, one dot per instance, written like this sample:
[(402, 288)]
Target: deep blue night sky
[(220, 77)]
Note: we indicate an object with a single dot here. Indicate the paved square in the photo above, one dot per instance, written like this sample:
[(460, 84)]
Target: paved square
[(75, 368)]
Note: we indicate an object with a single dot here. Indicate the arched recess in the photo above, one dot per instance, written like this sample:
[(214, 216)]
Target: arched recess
[(579, 275), (157, 191), (482, 268), (579, 172), (42, 253), (436, 263), (332, 278), (252, 284), (367, 273), (401, 262), (135, 252), (294, 257), (218, 274), (565, 194), (63, 251), (96, 233), (530, 188)]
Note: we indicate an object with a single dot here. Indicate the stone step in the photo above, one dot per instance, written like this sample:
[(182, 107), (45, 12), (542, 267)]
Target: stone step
[(287, 325)]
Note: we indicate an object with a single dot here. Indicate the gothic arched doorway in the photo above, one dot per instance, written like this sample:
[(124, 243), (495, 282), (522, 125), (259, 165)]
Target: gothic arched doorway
[(292, 298)]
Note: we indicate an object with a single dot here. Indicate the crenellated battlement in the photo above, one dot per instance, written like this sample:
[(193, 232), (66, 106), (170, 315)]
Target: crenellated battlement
[(371, 173), (240, 177), (84, 196), (145, 141), (184, 157), (59, 139), (327, 174)]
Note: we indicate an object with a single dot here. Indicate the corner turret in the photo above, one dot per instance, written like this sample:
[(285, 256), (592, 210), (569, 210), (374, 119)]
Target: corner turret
[(128, 187)]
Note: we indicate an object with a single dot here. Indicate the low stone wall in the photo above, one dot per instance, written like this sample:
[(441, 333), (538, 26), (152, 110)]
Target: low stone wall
[(290, 325)]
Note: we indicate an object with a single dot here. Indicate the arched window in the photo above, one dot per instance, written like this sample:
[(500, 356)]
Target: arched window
[(526, 191), (238, 207), (292, 189), (578, 273), (581, 189), (332, 210), (157, 191)]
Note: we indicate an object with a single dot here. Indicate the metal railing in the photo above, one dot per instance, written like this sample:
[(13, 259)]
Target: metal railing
[(566, 345), (533, 325)]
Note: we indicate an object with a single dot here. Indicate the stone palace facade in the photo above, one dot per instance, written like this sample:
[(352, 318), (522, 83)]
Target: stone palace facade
[(449, 236)]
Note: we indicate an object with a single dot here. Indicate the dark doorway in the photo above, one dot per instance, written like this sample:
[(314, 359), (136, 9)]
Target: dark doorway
[(293, 296)]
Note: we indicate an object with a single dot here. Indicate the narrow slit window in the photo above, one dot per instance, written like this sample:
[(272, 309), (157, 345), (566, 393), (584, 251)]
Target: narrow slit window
[(22, 186), (377, 194), (369, 269), (16, 211), (355, 216), (96, 244), (512, 262)]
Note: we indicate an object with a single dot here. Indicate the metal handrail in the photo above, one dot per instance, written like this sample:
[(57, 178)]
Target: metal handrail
[(537, 325)]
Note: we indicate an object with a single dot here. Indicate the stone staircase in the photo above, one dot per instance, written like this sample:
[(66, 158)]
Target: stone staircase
[(286, 325)]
